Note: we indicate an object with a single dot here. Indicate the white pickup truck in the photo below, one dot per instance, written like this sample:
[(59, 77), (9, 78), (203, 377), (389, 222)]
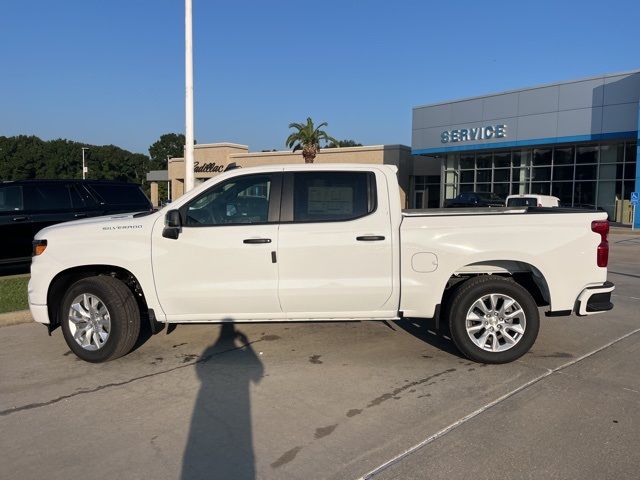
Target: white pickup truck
[(313, 243)]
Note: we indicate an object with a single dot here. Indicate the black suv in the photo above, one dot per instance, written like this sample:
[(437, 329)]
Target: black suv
[(27, 206), (476, 199)]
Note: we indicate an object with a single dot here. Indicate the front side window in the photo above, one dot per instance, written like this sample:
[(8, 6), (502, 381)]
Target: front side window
[(240, 200), (332, 196), (11, 199)]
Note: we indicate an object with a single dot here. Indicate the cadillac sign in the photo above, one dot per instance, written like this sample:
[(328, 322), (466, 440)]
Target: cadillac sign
[(475, 133)]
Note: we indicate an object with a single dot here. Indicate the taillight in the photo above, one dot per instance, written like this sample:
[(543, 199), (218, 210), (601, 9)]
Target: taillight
[(602, 253)]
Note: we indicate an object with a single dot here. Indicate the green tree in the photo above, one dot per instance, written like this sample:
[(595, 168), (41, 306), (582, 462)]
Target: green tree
[(26, 156), (344, 143), (307, 138), (169, 145)]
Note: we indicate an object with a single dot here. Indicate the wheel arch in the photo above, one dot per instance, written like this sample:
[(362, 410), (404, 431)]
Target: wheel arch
[(524, 273), (64, 279)]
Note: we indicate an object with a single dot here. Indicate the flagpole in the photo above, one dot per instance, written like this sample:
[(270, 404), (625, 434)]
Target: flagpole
[(189, 141)]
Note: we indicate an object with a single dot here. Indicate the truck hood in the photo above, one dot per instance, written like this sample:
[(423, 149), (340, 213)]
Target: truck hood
[(121, 222)]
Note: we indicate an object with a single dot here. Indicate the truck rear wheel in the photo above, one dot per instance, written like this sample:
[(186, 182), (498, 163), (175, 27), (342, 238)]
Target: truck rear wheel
[(100, 319), (493, 319)]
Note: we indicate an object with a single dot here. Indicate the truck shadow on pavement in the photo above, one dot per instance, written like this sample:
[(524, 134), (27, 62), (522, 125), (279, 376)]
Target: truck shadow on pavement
[(426, 331), (220, 441)]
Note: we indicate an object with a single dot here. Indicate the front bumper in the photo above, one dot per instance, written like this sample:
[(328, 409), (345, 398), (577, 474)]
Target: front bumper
[(596, 299), (40, 313)]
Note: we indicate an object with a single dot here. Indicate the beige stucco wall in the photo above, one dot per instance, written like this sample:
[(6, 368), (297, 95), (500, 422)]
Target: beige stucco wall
[(217, 157)]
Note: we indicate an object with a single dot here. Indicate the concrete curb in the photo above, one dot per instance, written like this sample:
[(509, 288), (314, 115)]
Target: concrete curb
[(15, 318), (623, 231)]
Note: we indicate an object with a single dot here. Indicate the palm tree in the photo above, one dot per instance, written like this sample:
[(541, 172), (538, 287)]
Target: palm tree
[(307, 138)]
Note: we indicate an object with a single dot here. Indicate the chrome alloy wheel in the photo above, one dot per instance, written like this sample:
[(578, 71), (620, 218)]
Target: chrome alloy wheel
[(495, 322), (89, 321)]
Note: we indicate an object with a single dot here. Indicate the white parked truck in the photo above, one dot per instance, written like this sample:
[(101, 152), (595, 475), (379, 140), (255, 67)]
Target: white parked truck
[(314, 243)]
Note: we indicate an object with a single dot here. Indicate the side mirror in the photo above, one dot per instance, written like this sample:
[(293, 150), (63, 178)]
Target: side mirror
[(172, 225)]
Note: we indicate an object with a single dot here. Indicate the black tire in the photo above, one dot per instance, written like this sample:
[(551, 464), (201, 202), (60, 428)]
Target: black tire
[(124, 317), (463, 299)]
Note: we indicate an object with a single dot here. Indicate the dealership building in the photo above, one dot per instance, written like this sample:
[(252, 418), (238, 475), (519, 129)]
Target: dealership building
[(576, 140)]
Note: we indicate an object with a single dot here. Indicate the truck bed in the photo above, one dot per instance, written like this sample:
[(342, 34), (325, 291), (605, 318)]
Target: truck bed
[(453, 212)]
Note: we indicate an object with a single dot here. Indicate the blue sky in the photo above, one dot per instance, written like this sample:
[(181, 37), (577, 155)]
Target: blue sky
[(113, 71)]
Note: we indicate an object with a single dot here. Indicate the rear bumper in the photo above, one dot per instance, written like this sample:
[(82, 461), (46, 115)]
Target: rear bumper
[(596, 299)]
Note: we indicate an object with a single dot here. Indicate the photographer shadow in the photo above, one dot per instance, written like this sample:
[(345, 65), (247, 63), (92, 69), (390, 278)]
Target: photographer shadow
[(220, 442)]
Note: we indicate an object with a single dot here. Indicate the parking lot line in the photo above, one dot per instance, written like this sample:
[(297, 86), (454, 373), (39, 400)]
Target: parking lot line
[(489, 405)]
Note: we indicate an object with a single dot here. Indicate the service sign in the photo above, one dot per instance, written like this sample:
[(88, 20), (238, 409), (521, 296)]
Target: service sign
[(476, 133)]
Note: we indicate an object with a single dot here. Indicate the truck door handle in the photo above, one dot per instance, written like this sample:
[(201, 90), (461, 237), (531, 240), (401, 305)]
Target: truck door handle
[(370, 238), (20, 219), (80, 215), (256, 240)]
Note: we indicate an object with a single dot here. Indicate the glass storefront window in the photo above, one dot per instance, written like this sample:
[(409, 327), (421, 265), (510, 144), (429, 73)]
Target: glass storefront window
[(612, 153), (585, 195), (562, 172), (588, 176), (542, 156), (520, 174), (519, 188), (564, 191), (563, 156), (467, 161), (607, 197), (586, 172), (540, 173), (501, 160), (501, 189), (501, 175), (483, 161), (542, 188), (521, 158), (483, 176), (628, 188), (466, 176), (587, 154), (631, 152), (609, 171), (630, 171)]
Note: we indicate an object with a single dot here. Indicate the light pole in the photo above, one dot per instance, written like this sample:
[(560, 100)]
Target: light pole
[(168, 181), (84, 166), (188, 98)]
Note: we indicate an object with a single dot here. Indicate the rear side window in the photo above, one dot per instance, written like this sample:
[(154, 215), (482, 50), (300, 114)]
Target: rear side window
[(120, 194), (523, 202), (49, 197), (332, 196), (11, 199), (80, 197)]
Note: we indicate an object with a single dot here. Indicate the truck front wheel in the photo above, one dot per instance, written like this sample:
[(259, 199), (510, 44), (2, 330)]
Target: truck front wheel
[(100, 319), (493, 319)]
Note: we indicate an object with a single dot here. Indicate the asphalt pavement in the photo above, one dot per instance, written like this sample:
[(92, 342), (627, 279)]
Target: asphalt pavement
[(330, 400)]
